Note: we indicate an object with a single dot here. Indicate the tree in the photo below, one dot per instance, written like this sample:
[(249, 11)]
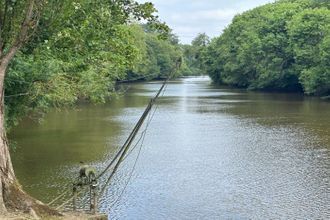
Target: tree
[(279, 46), (194, 54), (15, 30), (199, 44), (310, 37), (160, 56), (79, 49)]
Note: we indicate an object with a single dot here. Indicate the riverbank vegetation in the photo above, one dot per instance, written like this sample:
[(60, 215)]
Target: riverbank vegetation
[(194, 54), (80, 49), (54, 53), (283, 46)]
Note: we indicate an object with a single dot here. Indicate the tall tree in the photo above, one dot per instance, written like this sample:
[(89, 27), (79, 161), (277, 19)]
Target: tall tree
[(194, 54), (85, 48), (15, 29), (199, 44)]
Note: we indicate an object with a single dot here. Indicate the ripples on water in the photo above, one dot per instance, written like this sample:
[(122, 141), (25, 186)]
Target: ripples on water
[(210, 153)]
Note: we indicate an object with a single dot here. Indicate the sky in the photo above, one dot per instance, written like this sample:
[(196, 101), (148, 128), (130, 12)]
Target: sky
[(187, 18)]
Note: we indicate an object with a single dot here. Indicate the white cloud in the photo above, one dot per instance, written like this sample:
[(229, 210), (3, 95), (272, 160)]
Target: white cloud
[(187, 18), (205, 15)]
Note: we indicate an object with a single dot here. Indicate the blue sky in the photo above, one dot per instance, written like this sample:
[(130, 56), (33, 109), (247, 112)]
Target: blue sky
[(187, 18)]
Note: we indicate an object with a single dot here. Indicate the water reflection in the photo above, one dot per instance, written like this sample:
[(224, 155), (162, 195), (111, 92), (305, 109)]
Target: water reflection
[(210, 153)]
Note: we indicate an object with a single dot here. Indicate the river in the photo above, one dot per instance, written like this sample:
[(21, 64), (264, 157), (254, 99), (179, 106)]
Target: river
[(209, 153)]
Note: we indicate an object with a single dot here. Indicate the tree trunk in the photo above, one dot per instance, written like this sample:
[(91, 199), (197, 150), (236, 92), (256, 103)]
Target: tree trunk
[(12, 197), (7, 176)]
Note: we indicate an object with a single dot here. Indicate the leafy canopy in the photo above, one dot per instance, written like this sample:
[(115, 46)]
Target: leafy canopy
[(281, 46)]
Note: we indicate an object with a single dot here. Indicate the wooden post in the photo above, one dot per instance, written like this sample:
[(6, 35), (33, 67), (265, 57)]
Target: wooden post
[(74, 200), (93, 199)]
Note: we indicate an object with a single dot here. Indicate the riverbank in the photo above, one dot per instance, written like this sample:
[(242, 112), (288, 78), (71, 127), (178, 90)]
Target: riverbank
[(66, 216), (326, 98)]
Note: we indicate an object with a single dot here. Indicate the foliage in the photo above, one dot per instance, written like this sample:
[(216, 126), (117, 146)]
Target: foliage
[(310, 38), (79, 50), (160, 57), (195, 54), (278, 46), (12, 17)]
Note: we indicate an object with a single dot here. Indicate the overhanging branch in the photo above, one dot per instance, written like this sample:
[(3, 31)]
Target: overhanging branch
[(22, 35)]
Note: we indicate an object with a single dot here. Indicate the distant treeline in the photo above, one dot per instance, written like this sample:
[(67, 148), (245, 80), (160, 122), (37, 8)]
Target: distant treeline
[(81, 49), (281, 46)]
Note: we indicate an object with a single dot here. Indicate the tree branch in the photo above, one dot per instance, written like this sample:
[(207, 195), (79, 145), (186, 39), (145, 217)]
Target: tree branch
[(1, 28), (4, 18), (22, 35)]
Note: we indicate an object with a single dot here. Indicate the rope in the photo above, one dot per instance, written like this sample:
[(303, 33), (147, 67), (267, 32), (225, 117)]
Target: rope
[(142, 137), (122, 153), (121, 157), (57, 198), (130, 175), (68, 200), (69, 188), (135, 130), (124, 148), (145, 130), (132, 149)]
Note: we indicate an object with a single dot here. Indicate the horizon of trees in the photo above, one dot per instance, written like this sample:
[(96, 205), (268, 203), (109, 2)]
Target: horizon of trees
[(281, 46), (82, 51)]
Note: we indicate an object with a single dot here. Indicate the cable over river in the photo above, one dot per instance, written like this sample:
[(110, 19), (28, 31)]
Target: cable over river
[(209, 153)]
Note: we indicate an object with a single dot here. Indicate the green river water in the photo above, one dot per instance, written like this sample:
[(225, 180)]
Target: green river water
[(209, 153)]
